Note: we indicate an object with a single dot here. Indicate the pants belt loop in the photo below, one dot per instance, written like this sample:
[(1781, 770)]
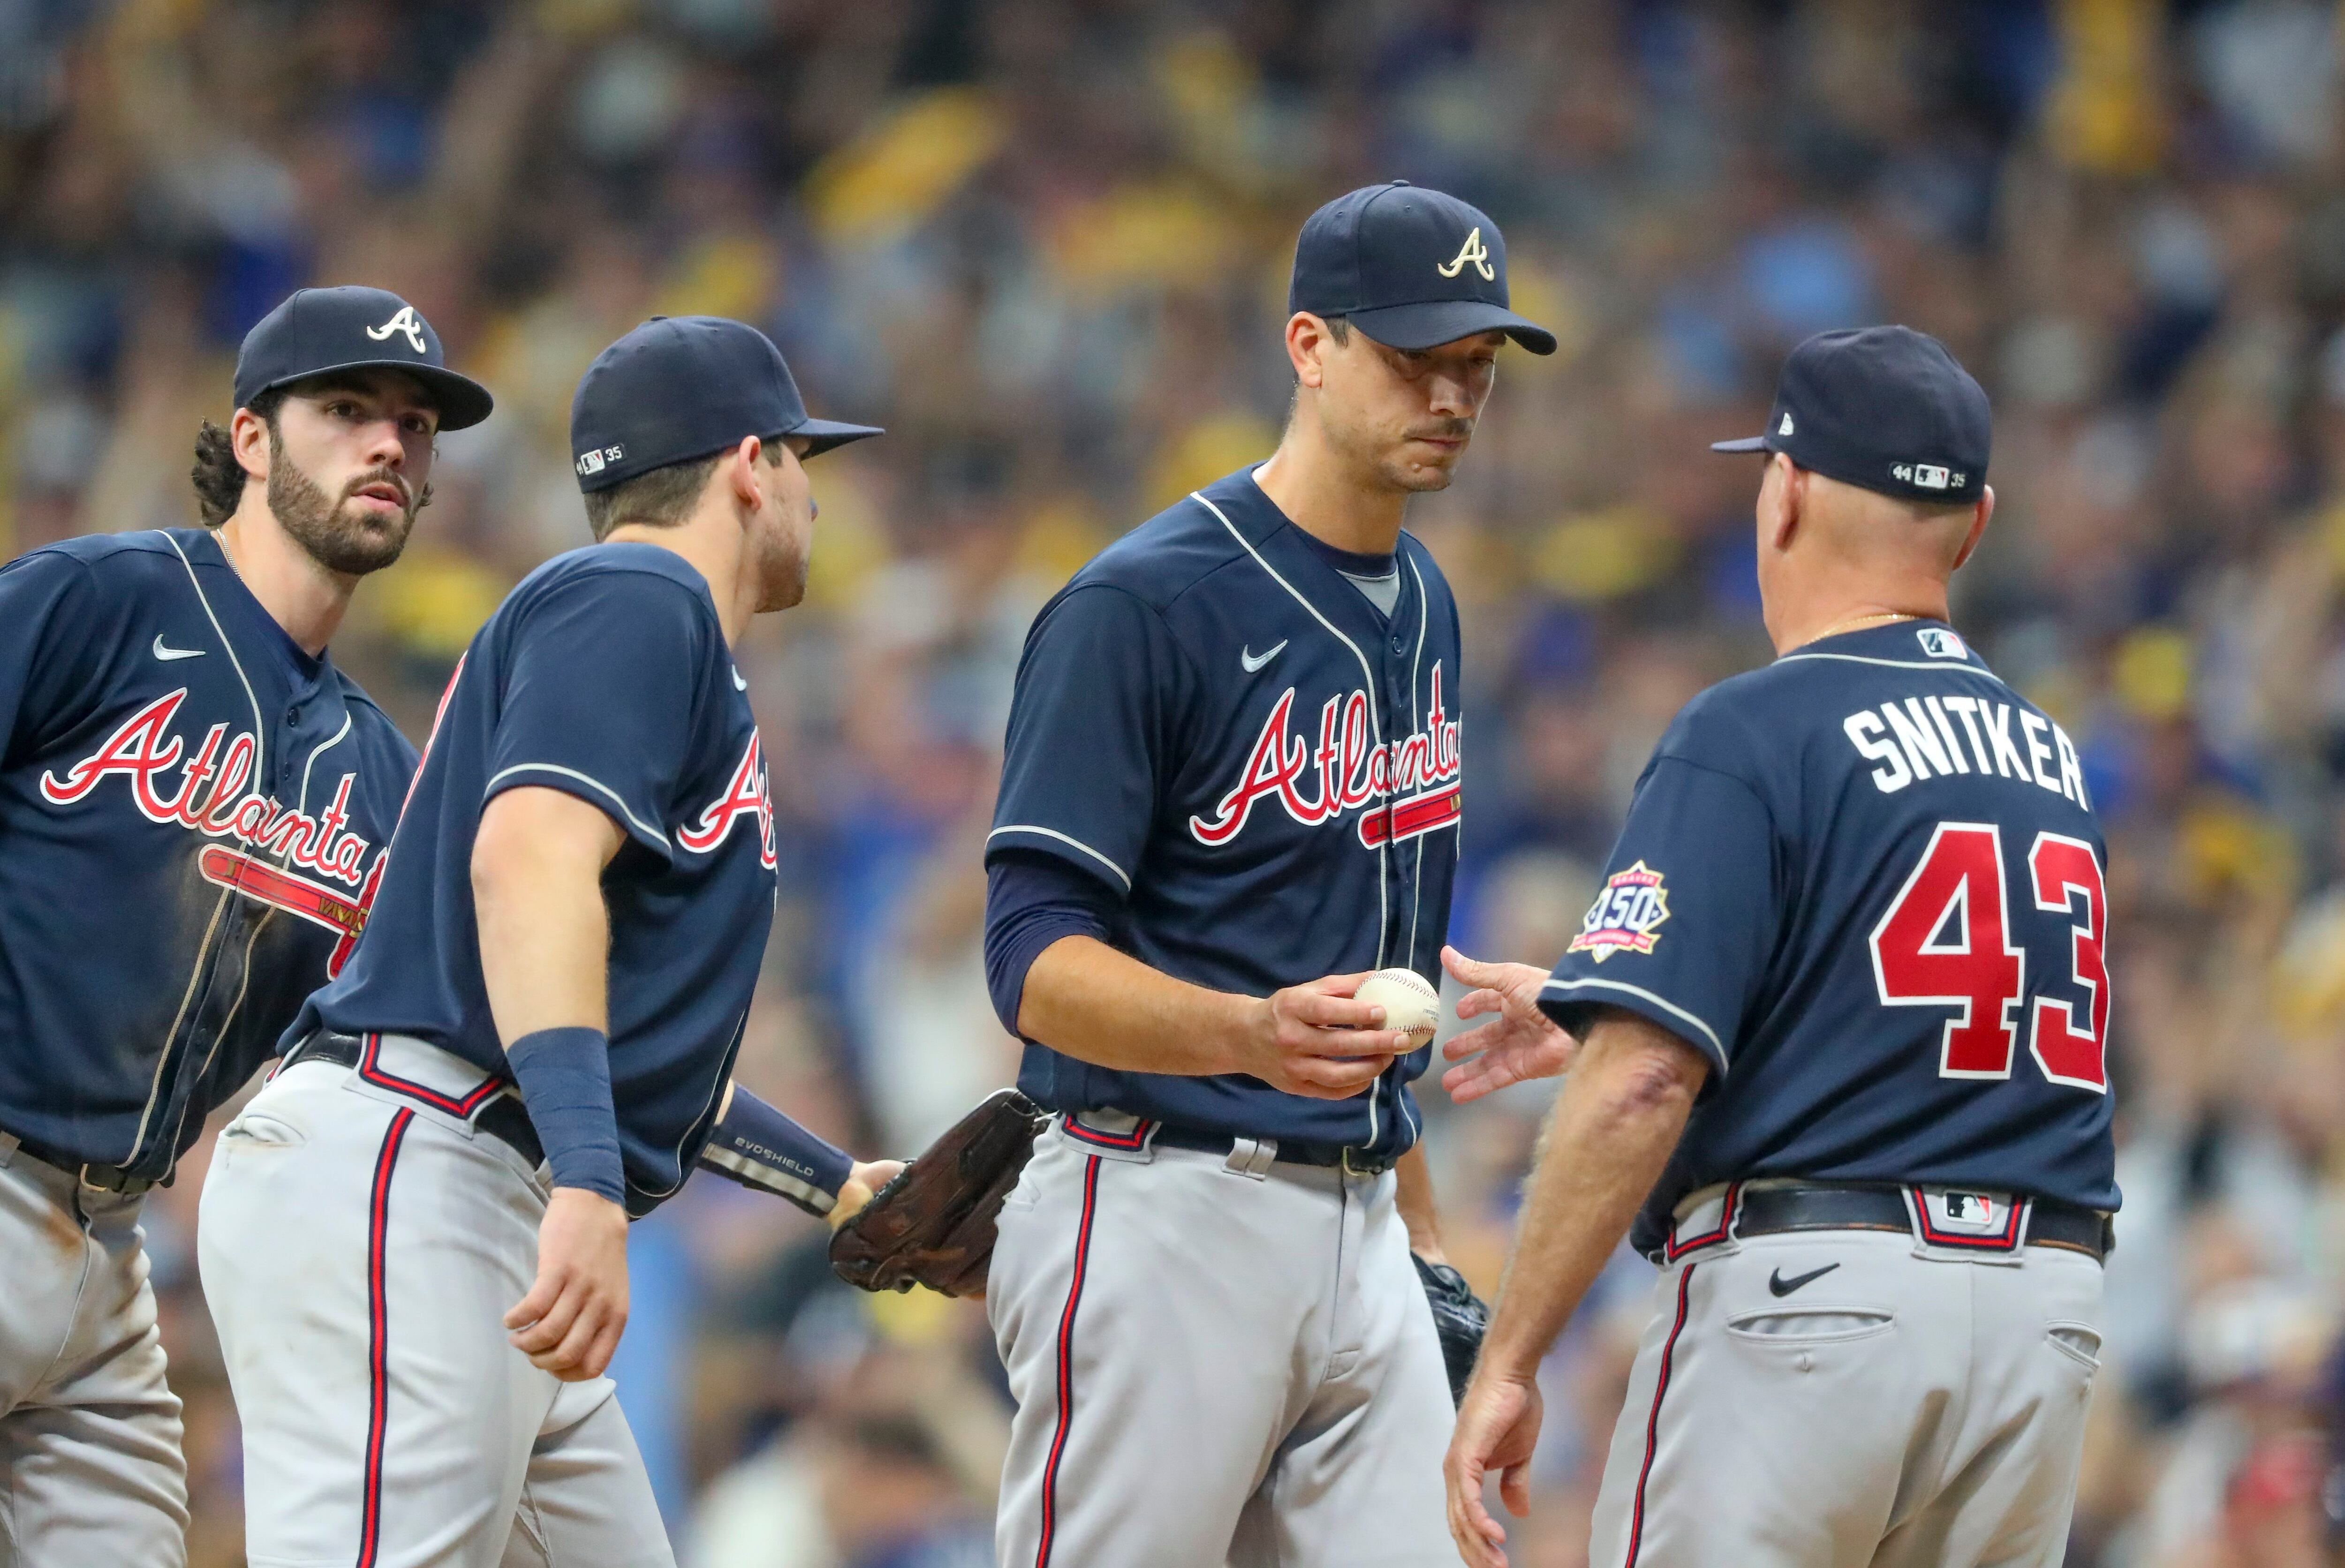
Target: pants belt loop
[(1251, 1156)]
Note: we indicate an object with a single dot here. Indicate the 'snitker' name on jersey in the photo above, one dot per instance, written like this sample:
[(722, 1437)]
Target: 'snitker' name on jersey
[(1867, 883)]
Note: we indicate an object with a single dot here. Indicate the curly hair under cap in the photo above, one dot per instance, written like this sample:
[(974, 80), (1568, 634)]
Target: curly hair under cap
[(217, 476)]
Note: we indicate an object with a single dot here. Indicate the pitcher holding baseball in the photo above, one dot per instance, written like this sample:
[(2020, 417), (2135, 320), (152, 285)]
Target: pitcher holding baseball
[(1233, 769)]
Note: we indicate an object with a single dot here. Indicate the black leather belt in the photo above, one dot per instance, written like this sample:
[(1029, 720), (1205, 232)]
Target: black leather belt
[(104, 1178), (502, 1116), (1772, 1210), (1292, 1151)]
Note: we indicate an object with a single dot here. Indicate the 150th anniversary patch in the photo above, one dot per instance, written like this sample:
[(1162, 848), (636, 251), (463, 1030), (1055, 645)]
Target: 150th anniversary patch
[(1627, 916)]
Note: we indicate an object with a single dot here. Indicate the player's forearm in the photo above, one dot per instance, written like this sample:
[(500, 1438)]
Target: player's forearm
[(537, 898), (1084, 998), (1621, 1111), (1414, 1197)]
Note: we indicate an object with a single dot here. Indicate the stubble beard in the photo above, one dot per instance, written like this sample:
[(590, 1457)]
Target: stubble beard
[(338, 536), (1381, 457)]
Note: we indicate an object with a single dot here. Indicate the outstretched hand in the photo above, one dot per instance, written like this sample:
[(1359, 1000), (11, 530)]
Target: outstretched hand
[(1519, 1043)]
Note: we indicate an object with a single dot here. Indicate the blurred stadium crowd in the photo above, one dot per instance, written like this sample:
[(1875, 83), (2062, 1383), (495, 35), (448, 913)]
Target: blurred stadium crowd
[(1045, 242)]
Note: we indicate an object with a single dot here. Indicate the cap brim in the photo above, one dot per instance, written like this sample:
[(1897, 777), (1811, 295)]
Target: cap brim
[(821, 435), (1747, 444), (462, 401), (1438, 321)]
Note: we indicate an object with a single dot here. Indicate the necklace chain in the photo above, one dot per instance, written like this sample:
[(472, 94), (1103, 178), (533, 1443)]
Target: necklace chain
[(1857, 622)]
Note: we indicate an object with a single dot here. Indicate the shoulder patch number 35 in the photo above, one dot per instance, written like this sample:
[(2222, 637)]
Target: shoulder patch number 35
[(1946, 942)]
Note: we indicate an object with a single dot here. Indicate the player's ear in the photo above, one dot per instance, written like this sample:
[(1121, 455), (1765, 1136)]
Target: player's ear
[(1780, 500), (1307, 342), (248, 437), (741, 474), (1981, 510)]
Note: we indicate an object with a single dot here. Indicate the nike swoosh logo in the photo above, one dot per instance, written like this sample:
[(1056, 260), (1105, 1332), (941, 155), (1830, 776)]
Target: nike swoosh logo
[(1783, 1287), (1253, 661), (168, 654), (738, 683)]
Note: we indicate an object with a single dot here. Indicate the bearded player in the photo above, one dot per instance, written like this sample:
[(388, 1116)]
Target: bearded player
[(1231, 791), (194, 803)]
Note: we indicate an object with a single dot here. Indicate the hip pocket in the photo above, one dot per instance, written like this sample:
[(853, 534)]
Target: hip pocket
[(2080, 1342), (258, 1130), (1815, 1325)]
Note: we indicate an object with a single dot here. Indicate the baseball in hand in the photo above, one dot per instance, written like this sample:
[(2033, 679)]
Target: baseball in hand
[(1409, 1002)]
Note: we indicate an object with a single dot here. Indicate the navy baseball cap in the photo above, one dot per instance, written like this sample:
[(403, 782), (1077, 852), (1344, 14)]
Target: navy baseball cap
[(1409, 267), (1886, 409), (319, 331), (682, 386)]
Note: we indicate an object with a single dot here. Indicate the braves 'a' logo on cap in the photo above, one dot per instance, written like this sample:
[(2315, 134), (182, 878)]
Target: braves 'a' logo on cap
[(1473, 251), (406, 321)]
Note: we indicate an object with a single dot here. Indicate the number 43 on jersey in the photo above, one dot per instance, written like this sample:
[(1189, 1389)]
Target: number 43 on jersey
[(1947, 942)]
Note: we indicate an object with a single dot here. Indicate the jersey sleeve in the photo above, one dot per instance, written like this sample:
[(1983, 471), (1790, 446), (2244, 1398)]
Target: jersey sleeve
[(1093, 726), (599, 696), (1683, 927), (46, 670)]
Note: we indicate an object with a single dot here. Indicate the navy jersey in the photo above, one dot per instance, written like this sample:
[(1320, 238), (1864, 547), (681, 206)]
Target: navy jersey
[(1263, 767), (605, 675), (1866, 882), (191, 813)]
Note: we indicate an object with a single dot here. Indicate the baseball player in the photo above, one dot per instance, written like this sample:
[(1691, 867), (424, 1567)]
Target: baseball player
[(1843, 1007), (413, 1240), (193, 807), (1230, 790)]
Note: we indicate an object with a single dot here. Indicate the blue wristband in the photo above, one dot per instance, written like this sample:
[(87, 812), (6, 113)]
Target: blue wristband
[(565, 1086), (757, 1146)]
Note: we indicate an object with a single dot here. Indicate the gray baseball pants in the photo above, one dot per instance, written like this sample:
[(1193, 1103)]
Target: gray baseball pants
[(1216, 1360), (1898, 1406), (360, 1245), (90, 1467)]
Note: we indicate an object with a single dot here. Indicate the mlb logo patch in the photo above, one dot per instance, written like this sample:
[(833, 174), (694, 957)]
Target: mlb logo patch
[(1626, 916), (1928, 476), (595, 462), (1978, 1213), (1940, 644), (1968, 1222)]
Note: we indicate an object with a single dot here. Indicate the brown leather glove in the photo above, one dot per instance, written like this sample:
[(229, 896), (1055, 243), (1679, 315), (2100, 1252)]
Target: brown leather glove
[(933, 1224)]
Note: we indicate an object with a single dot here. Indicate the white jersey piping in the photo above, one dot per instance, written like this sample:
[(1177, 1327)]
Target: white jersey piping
[(1375, 732), (1065, 839), (260, 773), (1661, 1002), (639, 824)]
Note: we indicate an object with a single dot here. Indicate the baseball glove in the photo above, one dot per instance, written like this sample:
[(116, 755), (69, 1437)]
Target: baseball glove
[(1459, 1317), (933, 1224)]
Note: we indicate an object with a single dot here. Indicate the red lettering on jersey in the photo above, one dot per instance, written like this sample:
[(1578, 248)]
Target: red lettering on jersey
[(745, 796), (139, 750), (143, 750), (1352, 771)]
